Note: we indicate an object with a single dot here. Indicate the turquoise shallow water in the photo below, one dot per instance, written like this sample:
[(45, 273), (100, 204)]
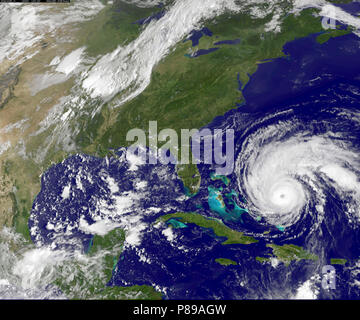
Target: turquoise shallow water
[(186, 266)]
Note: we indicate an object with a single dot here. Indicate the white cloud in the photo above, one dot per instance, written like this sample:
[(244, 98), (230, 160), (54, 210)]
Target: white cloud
[(169, 234), (69, 63), (307, 291), (132, 65), (24, 25), (100, 228)]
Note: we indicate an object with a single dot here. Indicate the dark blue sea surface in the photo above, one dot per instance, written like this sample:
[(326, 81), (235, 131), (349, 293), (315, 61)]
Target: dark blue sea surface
[(86, 177), (307, 66), (314, 84), (352, 7)]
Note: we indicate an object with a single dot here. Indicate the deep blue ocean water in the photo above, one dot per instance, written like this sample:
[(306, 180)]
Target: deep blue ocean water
[(312, 81), (352, 7)]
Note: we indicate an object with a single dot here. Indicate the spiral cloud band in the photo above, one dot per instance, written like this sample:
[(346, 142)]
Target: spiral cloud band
[(285, 172)]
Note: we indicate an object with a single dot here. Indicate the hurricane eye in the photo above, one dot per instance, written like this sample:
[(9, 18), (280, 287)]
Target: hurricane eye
[(280, 178)]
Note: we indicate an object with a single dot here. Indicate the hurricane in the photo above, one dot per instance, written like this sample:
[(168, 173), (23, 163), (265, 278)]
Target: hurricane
[(274, 88), (288, 166)]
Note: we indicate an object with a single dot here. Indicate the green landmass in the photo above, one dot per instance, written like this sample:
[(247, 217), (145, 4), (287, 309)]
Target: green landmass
[(25, 175), (290, 252), (220, 229), (112, 27), (262, 259), (129, 293), (183, 94), (338, 261), (226, 262), (287, 253), (189, 93), (78, 282), (112, 242), (324, 37), (191, 178)]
